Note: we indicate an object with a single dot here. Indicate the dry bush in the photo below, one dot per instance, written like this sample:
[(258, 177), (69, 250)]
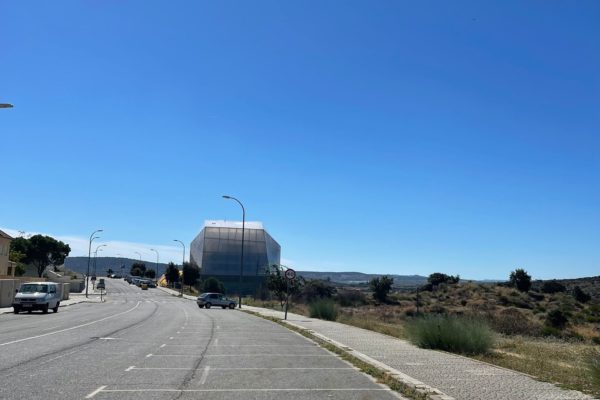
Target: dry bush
[(512, 321)]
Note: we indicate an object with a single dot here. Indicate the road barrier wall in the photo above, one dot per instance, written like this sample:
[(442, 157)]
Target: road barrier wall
[(7, 291)]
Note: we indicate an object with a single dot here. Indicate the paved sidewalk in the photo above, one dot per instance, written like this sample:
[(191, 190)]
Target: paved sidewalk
[(73, 299), (454, 376)]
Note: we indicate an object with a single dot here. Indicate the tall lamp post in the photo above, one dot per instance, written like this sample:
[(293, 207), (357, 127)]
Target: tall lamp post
[(182, 262), (122, 265), (99, 248), (242, 256), (87, 277), (156, 251)]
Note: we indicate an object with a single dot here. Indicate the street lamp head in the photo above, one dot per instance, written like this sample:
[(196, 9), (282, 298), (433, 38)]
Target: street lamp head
[(226, 197), (6, 105)]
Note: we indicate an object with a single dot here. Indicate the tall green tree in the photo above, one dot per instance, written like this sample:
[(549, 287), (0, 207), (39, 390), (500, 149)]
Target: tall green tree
[(191, 273), (17, 257), (520, 279), (172, 274), (213, 285), (41, 251), (381, 287), (438, 278), (150, 273), (137, 269)]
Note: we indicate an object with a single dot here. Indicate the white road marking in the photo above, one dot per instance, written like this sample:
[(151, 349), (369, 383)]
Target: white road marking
[(148, 355), (244, 369), (204, 375), (162, 345), (71, 328), (216, 342), (240, 355), (245, 390), (130, 368), (95, 392), (171, 338), (178, 332)]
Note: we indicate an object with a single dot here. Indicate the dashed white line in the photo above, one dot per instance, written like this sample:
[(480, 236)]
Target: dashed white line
[(130, 368), (95, 392), (162, 345), (204, 375), (148, 355)]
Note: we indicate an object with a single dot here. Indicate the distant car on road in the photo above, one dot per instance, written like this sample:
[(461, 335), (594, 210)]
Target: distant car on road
[(214, 299), (37, 296)]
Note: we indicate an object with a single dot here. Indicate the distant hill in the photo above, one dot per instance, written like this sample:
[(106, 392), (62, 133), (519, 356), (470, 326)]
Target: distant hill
[(590, 285), (79, 264), (357, 278)]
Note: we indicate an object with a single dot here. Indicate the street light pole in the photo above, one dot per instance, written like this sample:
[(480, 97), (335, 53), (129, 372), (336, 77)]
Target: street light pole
[(182, 262), (156, 251), (242, 255), (138, 253), (87, 277), (99, 248)]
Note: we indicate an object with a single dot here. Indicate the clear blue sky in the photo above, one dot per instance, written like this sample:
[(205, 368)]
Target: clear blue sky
[(384, 137)]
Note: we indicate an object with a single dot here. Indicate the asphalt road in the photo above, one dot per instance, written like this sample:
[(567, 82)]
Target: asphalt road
[(150, 345)]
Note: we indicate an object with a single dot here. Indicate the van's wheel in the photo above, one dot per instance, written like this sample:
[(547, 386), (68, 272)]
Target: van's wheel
[(55, 309), (45, 309), (16, 310), (207, 305), (200, 305), (28, 311), (232, 306)]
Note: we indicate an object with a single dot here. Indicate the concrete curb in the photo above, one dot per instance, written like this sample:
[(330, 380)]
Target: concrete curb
[(176, 293), (431, 392), (418, 386)]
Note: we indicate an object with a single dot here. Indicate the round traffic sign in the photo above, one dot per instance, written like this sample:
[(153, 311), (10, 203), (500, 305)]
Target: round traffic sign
[(290, 274)]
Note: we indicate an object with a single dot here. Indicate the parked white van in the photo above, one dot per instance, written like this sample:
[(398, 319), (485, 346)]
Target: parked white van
[(37, 296)]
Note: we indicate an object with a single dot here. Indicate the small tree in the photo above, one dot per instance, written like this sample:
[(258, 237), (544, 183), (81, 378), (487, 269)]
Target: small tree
[(438, 278), (553, 287), (580, 295), (137, 269), (280, 287), (191, 273), (381, 287), (520, 279), (17, 257), (315, 289), (150, 273), (41, 251), (109, 271), (213, 285), (172, 274)]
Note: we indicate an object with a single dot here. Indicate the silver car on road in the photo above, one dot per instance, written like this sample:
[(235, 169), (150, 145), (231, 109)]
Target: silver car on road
[(214, 299)]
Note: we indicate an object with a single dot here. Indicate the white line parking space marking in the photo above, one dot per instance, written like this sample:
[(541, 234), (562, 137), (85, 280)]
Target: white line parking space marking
[(130, 368), (102, 390), (239, 355), (204, 375), (243, 369), (95, 392), (71, 328), (148, 355), (171, 338), (162, 345), (216, 342)]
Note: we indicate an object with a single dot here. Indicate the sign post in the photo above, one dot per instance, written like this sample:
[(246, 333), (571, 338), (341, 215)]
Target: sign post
[(290, 275)]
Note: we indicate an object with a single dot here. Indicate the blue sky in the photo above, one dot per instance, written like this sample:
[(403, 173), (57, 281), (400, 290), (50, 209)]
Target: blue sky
[(383, 137)]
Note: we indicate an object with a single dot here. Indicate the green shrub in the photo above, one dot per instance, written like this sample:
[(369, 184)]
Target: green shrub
[(323, 309), (351, 298), (450, 333), (550, 331), (556, 319)]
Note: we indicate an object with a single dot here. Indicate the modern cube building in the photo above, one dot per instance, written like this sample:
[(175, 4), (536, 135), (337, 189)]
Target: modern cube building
[(217, 252)]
